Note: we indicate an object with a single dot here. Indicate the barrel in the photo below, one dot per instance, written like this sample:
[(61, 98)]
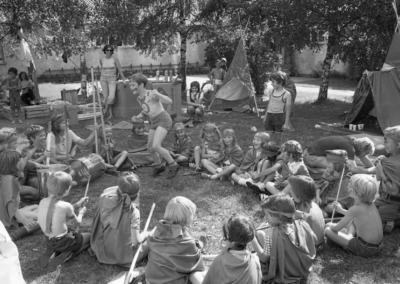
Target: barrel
[(43, 175), (93, 166)]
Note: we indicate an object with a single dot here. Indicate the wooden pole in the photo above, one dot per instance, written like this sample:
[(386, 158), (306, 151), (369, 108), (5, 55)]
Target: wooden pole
[(337, 195), (48, 141), (102, 119), (86, 192), (94, 115), (66, 127)]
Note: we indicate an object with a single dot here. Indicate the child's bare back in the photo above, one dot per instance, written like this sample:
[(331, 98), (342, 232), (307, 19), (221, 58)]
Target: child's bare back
[(62, 211), (367, 222)]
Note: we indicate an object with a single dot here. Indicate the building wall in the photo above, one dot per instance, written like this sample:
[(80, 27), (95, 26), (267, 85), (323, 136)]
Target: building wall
[(309, 62), (126, 55)]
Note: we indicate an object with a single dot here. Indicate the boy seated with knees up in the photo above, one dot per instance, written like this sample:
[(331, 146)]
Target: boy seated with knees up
[(363, 235), (388, 173), (285, 246), (53, 213), (116, 225), (174, 256)]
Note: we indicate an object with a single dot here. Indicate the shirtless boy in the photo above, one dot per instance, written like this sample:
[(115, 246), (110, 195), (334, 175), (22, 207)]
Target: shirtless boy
[(53, 213), (217, 75)]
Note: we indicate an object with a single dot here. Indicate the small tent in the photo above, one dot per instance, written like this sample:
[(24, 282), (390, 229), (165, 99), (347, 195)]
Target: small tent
[(237, 86), (378, 92)]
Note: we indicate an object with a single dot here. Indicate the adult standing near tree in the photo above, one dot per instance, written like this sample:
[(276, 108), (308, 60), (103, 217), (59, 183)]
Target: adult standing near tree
[(108, 79)]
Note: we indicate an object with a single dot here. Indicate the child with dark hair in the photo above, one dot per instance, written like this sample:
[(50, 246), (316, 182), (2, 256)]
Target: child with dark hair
[(27, 96), (236, 264), (328, 186), (118, 210), (303, 191), (363, 232), (285, 246), (182, 150), (14, 88), (194, 99), (210, 145), (229, 157), (136, 145)]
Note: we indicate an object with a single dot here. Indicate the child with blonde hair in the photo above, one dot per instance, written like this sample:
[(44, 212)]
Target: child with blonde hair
[(62, 242), (182, 150), (363, 226), (229, 157), (174, 256), (285, 246), (118, 210), (210, 145), (235, 264)]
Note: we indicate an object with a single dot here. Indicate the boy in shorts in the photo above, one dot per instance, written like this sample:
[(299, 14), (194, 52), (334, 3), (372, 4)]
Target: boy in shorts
[(151, 102), (53, 213), (364, 233), (278, 112)]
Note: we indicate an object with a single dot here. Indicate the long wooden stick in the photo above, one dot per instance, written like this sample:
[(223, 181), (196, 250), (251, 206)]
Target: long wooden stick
[(94, 115), (128, 277), (86, 191), (337, 195), (66, 128), (48, 142), (102, 120)]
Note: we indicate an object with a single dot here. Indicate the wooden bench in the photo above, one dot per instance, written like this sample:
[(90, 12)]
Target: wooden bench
[(37, 111)]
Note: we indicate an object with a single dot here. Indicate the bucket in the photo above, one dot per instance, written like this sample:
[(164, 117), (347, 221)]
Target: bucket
[(92, 166), (43, 175)]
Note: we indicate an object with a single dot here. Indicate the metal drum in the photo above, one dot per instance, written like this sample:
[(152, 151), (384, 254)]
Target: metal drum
[(43, 175), (92, 166)]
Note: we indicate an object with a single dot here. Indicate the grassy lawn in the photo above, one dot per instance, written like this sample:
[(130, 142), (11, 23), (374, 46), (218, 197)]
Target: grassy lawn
[(215, 201)]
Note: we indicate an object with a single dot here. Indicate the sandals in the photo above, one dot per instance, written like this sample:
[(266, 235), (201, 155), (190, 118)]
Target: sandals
[(205, 176)]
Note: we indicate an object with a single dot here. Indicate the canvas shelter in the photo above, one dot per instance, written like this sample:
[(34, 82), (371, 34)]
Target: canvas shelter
[(378, 92), (237, 86)]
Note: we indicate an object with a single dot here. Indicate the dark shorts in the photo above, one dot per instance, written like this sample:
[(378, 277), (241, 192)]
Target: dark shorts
[(360, 247), (72, 241), (163, 120), (274, 122)]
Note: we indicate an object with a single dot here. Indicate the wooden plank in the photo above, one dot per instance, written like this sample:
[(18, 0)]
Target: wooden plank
[(87, 116)]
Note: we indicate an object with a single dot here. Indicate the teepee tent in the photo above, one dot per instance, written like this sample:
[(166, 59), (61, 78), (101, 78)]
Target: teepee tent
[(378, 93), (237, 86)]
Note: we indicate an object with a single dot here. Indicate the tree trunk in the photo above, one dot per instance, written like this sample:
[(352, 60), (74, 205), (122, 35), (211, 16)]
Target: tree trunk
[(183, 34), (326, 69), (83, 75), (32, 73)]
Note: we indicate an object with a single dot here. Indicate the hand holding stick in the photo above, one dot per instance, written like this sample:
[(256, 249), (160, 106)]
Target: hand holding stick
[(86, 192), (337, 195)]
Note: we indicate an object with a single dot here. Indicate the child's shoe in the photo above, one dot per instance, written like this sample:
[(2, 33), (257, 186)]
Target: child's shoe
[(172, 170), (158, 169)]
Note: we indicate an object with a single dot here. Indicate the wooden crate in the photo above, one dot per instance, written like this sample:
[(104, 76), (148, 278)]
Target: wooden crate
[(37, 111), (6, 111)]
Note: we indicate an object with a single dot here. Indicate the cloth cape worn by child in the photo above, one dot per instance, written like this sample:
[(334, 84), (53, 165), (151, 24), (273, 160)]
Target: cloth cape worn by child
[(183, 147), (233, 155), (289, 262), (228, 268), (10, 188), (250, 161), (111, 230), (136, 146), (173, 255), (391, 168)]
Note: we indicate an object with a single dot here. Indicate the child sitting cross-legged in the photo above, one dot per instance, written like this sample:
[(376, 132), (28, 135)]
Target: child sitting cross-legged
[(363, 232), (302, 190), (252, 162), (182, 150), (174, 256), (210, 145), (230, 157), (116, 225), (286, 247), (236, 264), (61, 242)]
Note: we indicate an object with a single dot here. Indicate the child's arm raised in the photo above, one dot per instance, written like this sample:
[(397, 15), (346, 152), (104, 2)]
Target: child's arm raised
[(136, 236), (71, 214), (258, 245)]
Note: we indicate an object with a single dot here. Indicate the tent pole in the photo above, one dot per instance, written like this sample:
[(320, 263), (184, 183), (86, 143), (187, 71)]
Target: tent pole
[(255, 102)]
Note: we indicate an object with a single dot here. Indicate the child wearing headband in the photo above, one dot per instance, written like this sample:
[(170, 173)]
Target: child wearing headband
[(280, 237), (183, 147), (210, 145), (230, 157), (236, 264)]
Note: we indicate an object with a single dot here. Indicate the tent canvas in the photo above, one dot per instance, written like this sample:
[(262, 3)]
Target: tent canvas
[(237, 86), (379, 92)]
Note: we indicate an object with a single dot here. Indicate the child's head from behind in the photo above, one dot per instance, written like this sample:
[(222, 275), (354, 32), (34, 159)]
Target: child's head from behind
[(179, 130), (364, 187), (59, 183), (8, 162), (8, 140), (195, 86), (180, 210), (229, 138), (271, 149), (129, 183), (260, 138), (36, 135), (303, 189), (239, 231), (13, 72), (210, 132), (292, 149), (363, 147), (279, 208), (392, 139)]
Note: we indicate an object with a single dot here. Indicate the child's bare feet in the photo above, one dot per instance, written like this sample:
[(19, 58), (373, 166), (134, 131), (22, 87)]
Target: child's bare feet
[(172, 170)]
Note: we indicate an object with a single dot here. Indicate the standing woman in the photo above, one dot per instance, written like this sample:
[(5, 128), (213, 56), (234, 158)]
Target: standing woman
[(108, 79), (27, 95)]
